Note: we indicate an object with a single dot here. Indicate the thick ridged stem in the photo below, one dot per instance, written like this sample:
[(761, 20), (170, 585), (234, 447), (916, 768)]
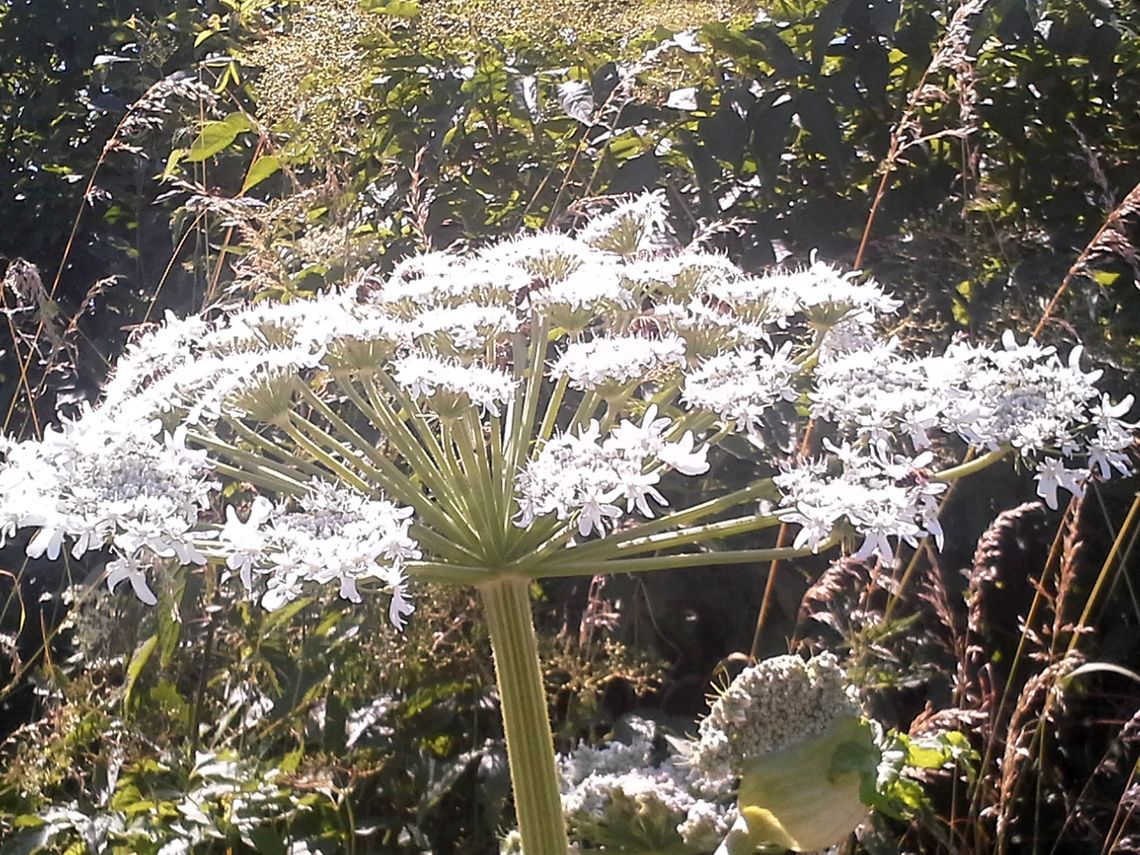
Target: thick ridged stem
[(530, 745)]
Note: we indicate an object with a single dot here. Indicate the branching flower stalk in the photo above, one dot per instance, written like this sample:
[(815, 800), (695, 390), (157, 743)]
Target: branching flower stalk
[(536, 409)]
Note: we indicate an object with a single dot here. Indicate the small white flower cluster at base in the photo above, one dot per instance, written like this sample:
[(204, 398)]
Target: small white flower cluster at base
[(618, 794)]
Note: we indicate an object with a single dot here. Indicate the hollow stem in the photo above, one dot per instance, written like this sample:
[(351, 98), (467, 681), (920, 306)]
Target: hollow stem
[(530, 745)]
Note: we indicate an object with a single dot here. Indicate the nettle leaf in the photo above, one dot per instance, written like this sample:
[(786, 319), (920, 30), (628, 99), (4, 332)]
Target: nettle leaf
[(216, 136), (577, 100)]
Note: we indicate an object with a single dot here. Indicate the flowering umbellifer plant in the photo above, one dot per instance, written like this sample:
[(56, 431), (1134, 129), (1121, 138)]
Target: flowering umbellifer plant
[(525, 411)]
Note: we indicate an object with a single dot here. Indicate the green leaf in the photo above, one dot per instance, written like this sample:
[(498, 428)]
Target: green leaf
[(407, 9), (283, 615), (926, 756), (170, 620), (826, 26), (216, 136), (267, 840), (202, 36), (176, 157), (291, 762), (259, 170), (138, 661)]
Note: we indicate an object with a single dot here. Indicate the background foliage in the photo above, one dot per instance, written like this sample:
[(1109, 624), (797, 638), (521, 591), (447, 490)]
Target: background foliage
[(979, 157)]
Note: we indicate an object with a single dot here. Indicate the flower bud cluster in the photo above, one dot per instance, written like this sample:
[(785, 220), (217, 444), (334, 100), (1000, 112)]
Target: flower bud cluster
[(768, 707)]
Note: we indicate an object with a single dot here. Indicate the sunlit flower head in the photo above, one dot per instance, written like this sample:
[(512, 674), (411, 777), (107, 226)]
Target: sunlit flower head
[(550, 404)]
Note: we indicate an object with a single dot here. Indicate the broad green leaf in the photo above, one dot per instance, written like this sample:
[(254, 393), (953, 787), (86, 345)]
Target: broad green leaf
[(925, 756), (216, 136), (202, 36), (808, 796), (261, 169)]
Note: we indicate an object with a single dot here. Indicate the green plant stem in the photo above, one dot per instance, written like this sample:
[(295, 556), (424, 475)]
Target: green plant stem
[(602, 550), (970, 466), (1114, 558), (672, 562), (530, 745)]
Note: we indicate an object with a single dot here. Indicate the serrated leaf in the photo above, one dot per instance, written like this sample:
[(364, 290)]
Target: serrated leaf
[(259, 170), (216, 136), (926, 756)]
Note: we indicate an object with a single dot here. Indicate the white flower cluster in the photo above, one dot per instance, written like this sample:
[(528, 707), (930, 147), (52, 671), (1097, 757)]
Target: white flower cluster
[(742, 385), (584, 475), (618, 796), (332, 534), (1022, 397), (768, 707), (97, 481), (618, 360), (453, 387), (473, 388), (881, 498)]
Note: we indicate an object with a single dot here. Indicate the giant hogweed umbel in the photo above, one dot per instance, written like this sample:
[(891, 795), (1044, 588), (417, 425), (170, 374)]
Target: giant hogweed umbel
[(523, 411)]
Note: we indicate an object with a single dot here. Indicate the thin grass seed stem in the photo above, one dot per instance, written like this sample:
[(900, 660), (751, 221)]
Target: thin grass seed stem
[(1126, 530), (1022, 641)]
